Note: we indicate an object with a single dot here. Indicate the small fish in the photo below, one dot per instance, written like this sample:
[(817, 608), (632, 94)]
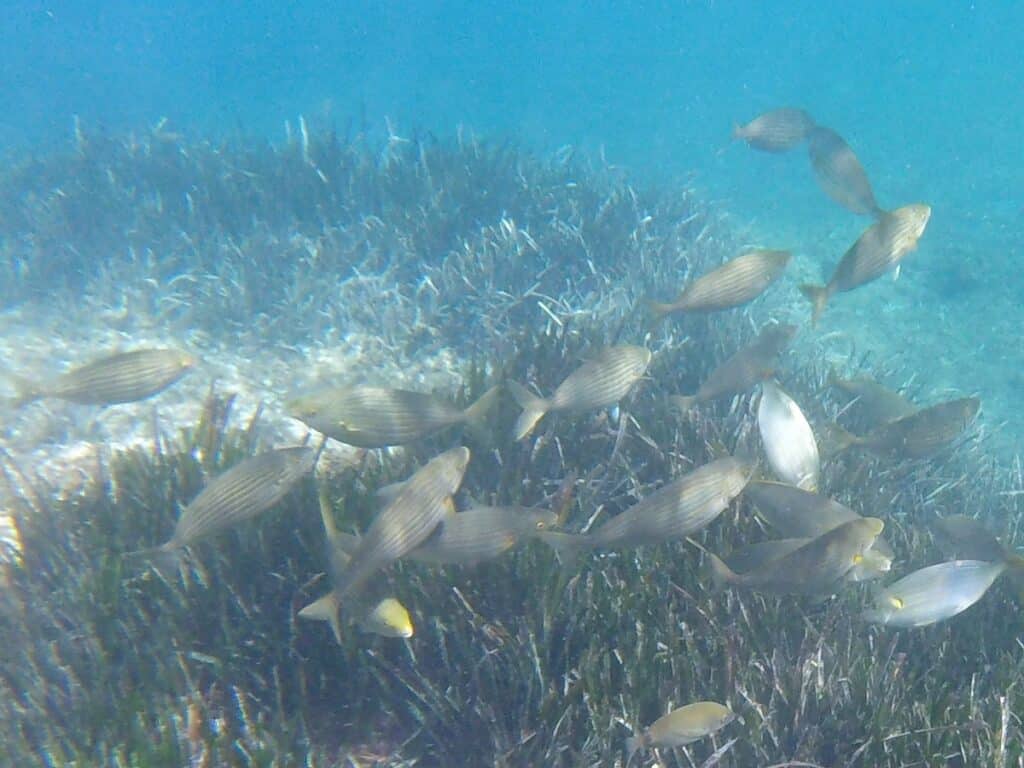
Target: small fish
[(424, 501), (745, 368), (674, 511), (811, 569), (933, 594), (124, 377), (681, 726), (482, 533), (873, 404), (920, 434), (375, 417), (776, 131), (787, 438), (733, 284), (794, 512), (839, 173), (239, 494), (389, 618), (756, 556), (601, 381), (877, 250)]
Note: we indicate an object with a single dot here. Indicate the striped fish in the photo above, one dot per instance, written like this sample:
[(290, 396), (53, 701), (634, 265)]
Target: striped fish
[(757, 556), (743, 369), (239, 494), (734, 283), (877, 250), (839, 173), (776, 131), (119, 378), (811, 569), (922, 433), (424, 501), (873, 403), (674, 511), (375, 417), (601, 381)]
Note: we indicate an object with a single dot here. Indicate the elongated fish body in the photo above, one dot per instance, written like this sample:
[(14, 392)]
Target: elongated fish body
[(682, 726), (242, 492), (733, 284), (933, 594), (922, 433), (839, 173), (797, 513), (812, 569), (875, 404), (877, 250), (755, 556), (601, 381), (482, 533), (124, 377), (968, 538), (743, 369), (787, 438), (675, 510), (776, 131), (425, 500), (375, 417)]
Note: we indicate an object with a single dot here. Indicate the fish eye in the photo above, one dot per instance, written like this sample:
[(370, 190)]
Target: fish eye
[(541, 525)]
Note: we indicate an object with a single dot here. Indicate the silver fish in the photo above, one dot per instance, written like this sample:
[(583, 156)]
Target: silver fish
[(839, 173), (601, 381), (375, 417), (787, 438), (124, 377), (681, 726), (933, 594)]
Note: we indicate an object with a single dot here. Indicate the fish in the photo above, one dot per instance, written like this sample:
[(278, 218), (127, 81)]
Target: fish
[(241, 493), (424, 501), (755, 556), (677, 509), (919, 435), (388, 618), (787, 438), (376, 417), (482, 533), (743, 369), (968, 538), (681, 726), (733, 284), (839, 173), (933, 594), (880, 248), (124, 377), (794, 512), (599, 382), (873, 403), (776, 131), (811, 569)]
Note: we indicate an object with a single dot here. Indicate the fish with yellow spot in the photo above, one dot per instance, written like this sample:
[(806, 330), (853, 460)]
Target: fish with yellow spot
[(812, 569)]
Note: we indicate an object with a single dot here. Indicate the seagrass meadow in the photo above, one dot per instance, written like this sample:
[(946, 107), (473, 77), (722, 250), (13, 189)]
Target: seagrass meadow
[(502, 266)]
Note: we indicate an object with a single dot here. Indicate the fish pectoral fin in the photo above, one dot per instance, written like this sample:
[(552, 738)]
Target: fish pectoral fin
[(896, 273)]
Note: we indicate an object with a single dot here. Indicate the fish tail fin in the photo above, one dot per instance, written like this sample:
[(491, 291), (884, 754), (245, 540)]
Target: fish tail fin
[(683, 403), (721, 573), (25, 391), (165, 559), (656, 311), (633, 744), (476, 414), (328, 609), (841, 439), (737, 132), (818, 295), (568, 547), (533, 407)]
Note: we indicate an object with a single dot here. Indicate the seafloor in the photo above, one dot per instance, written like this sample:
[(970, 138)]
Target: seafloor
[(441, 265)]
